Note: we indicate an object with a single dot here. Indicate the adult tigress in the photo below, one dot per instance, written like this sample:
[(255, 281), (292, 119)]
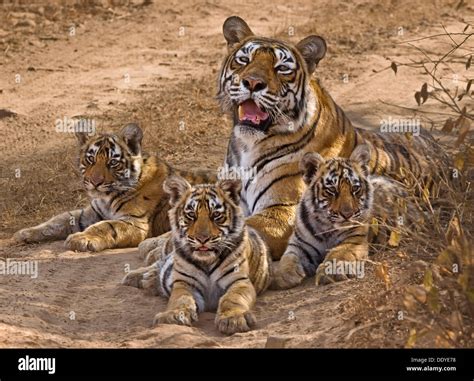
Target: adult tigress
[(280, 113)]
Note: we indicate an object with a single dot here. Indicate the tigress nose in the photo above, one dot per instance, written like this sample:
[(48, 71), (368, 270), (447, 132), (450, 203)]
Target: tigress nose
[(201, 238), (254, 84)]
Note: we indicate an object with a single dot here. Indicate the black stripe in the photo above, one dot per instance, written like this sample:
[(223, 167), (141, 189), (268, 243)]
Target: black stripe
[(125, 201), (287, 149), (101, 216), (308, 256), (114, 232), (271, 184), (138, 215), (191, 277), (81, 227), (230, 271)]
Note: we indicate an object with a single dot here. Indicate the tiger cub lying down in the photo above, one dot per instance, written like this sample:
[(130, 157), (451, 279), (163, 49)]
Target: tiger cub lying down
[(212, 261), (127, 201), (334, 216)]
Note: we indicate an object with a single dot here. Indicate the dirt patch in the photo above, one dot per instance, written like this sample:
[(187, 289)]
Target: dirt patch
[(157, 65)]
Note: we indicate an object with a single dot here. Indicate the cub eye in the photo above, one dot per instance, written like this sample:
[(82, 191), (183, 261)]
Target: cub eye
[(356, 188), (331, 191), (113, 162), (282, 68), (242, 60), (90, 159), (190, 214), (216, 215)]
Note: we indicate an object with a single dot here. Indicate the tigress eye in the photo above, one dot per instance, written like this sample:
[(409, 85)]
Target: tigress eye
[(90, 159), (113, 162), (356, 188), (242, 60), (283, 68), (331, 191)]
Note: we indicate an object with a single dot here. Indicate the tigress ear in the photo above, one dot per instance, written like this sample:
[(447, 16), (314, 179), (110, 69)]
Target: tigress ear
[(313, 49), (175, 186), (232, 188), (133, 135), (235, 30), (81, 137), (361, 155), (309, 165)]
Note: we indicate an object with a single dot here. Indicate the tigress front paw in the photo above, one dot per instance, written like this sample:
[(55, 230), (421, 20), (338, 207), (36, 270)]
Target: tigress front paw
[(181, 316), (289, 273), (231, 322), (85, 242)]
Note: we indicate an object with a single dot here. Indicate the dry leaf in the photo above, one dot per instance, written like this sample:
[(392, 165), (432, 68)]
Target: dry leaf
[(409, 302), (464, 127), (411, 339), (459, 161), (428, 280), (375, 226), (424, 92), (448, 126), (433, 301), (381, 271), (394, 67), (394, 240)]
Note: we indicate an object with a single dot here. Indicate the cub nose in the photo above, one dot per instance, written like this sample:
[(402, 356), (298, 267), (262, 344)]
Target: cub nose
[(96, 180), (254, 84), (201, 238), (346, 212)]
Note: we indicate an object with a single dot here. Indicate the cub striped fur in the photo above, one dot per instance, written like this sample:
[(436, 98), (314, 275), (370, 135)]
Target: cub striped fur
[(211, 261), (127, 201), (333, 218)]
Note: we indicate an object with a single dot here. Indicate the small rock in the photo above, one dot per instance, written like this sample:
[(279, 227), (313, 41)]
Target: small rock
[(276, 342), (27, 23)]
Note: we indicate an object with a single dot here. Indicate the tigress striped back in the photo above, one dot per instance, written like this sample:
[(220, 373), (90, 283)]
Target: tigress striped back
[(210, 247)]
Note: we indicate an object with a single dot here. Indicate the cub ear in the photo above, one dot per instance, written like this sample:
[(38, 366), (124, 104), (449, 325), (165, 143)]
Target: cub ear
[(313, 49), (82, 137), (309, 165), (361, 155), (232, 188), (133, 135), (176, 187), (235, 30)]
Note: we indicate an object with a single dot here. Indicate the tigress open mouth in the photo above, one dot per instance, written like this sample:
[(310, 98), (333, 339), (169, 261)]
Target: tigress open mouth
[(252, 115)]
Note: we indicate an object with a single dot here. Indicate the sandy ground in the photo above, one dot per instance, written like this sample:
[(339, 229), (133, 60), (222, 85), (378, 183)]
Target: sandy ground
[(157, 65)]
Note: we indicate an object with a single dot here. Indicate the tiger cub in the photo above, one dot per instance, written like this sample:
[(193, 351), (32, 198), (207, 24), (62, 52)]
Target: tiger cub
[(212, 261), (333, 218), (125, 187)]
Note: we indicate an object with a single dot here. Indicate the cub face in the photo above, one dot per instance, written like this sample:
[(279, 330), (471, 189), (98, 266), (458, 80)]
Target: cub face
[(338, 187), (205, 218), (110, 163)]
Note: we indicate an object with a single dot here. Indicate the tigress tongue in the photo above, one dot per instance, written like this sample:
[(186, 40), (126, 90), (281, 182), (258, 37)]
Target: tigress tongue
[(249, 110)]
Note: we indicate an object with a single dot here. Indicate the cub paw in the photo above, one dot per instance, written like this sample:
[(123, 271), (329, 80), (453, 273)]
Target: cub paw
[(145, 277), (182, 316), (229, 323), (29, 235), (84, 242), (332, 271), (289, 273)]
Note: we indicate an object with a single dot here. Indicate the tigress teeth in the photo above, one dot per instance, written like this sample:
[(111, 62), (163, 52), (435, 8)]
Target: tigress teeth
[(241, 112)]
